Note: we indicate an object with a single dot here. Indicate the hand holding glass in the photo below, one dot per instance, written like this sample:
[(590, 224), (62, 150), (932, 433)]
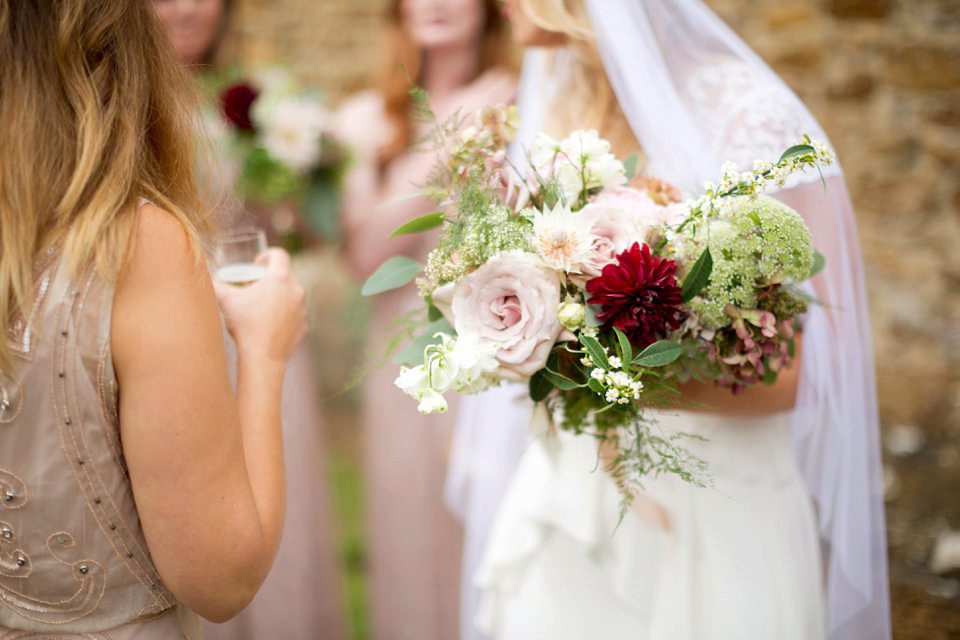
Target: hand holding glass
[(236, 256)]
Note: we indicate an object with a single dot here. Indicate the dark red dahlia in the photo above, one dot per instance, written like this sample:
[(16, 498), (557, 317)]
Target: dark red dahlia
[(237, 101), (639, 295)]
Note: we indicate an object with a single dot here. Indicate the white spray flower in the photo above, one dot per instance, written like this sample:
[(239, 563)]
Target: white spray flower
[(474, 359)]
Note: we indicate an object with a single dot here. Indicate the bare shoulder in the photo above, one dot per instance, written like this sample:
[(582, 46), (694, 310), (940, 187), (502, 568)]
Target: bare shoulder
[(496, 85), (361, 121), (163, 273), (162, 255)]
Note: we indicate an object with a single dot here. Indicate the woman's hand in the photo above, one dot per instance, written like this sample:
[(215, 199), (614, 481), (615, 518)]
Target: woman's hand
[(756, 399), (268, 318)]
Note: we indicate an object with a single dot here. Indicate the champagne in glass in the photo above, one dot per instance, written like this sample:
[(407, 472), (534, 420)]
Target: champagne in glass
[(236, 256)]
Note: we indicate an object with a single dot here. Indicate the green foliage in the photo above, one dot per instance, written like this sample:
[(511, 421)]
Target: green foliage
[(420, 224), (659, 354), (630, 165), (595, 351), (540, 387), (760, 242), (392, 274), (413, 354), (819, 262), (479, 231), (626, 349), (263, 179), (796, 151), (698, 276)]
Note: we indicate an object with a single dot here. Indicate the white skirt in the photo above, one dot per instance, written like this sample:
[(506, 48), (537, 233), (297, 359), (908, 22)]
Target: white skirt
[(738, 561)]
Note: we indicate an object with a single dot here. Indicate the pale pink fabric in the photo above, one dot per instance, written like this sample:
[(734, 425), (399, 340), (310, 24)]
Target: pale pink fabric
[(300, 598), (73, 559), (413, 542)]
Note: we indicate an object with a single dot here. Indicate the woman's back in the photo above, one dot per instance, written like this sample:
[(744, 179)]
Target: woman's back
[(72, 552), (100, 498)]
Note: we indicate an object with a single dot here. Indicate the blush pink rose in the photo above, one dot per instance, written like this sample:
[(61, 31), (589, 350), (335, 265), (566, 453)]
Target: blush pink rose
[(616, 231), (510, 301), (646, 213)]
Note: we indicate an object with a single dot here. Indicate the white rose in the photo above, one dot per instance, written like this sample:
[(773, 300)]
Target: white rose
[(292, 132), (511, 301)]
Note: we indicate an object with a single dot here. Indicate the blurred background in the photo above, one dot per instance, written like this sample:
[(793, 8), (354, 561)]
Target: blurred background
[(883, 78)]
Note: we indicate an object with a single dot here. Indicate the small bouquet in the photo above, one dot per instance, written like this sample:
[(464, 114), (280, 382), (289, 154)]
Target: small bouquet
[(284, 153), (599, 290)]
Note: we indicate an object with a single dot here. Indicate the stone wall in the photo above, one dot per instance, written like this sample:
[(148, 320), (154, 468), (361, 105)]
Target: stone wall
[(883, 77)]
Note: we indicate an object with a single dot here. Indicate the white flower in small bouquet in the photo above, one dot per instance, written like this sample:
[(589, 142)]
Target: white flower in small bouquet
[(600, 291), (293, 129), (283, 149)]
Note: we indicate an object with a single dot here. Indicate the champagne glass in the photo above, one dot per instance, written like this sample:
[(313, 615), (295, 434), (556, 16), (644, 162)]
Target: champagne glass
[(236, 256)]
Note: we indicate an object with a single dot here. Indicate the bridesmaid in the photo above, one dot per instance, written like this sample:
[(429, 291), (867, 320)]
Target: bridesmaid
[(120, 519), (300, 598), (457, 51)]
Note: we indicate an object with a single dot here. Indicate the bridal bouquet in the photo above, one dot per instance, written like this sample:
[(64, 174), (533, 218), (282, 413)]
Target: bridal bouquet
[(600, 290), (282, 148)]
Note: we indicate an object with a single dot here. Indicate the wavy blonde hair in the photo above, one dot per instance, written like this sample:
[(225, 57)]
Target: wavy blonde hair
[(95, 115), (587, 100)]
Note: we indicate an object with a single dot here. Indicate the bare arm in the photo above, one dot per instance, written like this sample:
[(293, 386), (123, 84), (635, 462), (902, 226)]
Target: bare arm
[(206, 466), (757, 399), (376, 199)]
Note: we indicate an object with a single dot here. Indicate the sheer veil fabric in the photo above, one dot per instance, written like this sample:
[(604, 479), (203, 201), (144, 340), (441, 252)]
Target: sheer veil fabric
[(695, 95)]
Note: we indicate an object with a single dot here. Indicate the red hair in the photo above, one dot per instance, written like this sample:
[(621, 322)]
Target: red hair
[(402, 65)]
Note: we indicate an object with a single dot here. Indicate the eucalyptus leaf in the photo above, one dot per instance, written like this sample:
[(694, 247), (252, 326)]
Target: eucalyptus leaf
[(420, 224), (796, 150), (659, 354), (698, 277), (540, 386), (819, 262), (392, 274), (595, 351), (626, 350), (593, 310), (560, 381), (413, 354), (630, 165)]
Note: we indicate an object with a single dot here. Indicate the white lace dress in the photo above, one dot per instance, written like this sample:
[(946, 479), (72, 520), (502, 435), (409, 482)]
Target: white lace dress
[(739, 561)]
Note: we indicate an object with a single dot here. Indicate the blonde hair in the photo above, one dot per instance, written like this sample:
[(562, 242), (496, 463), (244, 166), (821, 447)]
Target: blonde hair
[(95, 116), (588, 101)]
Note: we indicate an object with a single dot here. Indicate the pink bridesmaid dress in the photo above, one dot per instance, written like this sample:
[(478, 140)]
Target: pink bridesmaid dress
[(414, 542)]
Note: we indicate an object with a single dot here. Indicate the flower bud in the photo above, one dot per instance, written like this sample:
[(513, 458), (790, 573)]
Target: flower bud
[(571, 315)]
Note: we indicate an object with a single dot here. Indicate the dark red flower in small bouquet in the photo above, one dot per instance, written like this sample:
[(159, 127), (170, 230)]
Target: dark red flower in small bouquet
[(237, 101), (638, 294)]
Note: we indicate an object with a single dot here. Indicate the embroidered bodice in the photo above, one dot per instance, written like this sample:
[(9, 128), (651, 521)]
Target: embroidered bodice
[(73, 557)]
